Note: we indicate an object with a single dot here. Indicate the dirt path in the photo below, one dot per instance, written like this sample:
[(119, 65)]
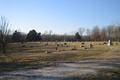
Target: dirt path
[(109, 60)]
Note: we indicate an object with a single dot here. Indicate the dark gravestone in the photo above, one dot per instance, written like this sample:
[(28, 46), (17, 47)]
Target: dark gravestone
[(65, 43), (82, 43), (72, 49), (81, 46), (23, 46), (57, 44), (56, 48), (116, 43), (104, 42), (48, 52)]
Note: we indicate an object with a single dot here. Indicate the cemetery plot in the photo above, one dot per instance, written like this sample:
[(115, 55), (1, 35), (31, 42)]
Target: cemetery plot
[(18, 56)]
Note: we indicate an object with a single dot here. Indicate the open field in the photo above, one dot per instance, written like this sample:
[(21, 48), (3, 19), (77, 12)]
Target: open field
[(34, 56)]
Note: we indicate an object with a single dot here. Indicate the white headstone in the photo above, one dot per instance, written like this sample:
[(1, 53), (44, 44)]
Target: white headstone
[(110, 42), (90, 45)]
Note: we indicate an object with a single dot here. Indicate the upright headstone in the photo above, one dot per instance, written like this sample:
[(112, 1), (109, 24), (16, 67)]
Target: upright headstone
[(56, 48), (116, 43), (90, 45), (104, 42), (65, 43), (110, 42)]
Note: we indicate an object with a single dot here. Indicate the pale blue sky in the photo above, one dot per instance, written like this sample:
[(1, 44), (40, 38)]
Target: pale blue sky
[(60, 16)]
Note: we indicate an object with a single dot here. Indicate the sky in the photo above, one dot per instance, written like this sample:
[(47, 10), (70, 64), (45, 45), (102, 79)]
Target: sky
[(60, 16)]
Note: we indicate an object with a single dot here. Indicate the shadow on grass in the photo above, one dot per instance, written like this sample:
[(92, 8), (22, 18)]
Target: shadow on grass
[(104, 74), (32, 76)]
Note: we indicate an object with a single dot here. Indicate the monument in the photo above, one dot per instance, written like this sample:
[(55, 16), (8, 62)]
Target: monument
[(90, 45), (110, 42)]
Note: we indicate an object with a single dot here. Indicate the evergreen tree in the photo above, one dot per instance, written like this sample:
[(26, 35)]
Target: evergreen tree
[(33, 36), (77, 36), (16, 36)]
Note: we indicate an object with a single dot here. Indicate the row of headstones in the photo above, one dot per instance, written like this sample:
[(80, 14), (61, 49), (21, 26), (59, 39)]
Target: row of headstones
[(90, 45), (110, 43)]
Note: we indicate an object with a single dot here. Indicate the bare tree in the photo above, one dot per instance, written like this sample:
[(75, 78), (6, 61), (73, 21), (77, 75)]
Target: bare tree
[(110, 31), (4, 32), (103, 33), (96, 33), (81, 30), (88, 33)]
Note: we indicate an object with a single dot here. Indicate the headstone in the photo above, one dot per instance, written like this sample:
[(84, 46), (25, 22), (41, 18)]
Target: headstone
[(63, 50), (104, 42), (65, 43), (116, 43), (90, 45), (110, 42), (56, 48), (84, 48), (23, 46), (82, 43), (46, 43), (57, 44), (47, 52), (81, 46), (72, 49)]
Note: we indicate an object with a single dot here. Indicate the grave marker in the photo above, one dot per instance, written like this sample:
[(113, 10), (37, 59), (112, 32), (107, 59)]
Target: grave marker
[(110, 42), (90, 45)]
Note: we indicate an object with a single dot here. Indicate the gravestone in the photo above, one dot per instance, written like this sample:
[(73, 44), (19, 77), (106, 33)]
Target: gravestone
[(56, 48), (23, 46), (72, 49), (46, 43), (82, 43), (59, 50), (65, 43), (116, 43), (57, 44), (47, 52), (81, 46), (104, 42), (110, 42), (90, 45)]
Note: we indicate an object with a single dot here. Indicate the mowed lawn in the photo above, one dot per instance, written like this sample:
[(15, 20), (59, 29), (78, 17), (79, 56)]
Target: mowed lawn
[(32, 54)]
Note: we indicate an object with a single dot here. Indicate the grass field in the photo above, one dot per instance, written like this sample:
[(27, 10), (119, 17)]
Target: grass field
[(33, 54)]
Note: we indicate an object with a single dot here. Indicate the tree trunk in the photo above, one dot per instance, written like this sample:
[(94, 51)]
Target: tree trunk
[(3, 48)]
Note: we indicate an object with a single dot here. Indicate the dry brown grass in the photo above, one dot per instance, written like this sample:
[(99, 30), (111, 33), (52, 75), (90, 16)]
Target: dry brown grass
[(21, 57)]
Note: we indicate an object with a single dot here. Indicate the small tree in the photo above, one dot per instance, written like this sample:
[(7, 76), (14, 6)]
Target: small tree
[(4, 32), (16, 37), (81, 30), (77, 36), (33, 36)]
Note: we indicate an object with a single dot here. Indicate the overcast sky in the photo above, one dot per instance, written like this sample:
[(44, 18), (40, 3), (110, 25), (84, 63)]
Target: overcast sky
[(60, 16)]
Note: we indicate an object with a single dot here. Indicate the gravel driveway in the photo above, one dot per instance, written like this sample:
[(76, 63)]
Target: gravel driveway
[(64, 70)]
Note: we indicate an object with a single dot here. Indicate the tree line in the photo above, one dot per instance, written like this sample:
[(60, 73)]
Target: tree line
[(82, 34)]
